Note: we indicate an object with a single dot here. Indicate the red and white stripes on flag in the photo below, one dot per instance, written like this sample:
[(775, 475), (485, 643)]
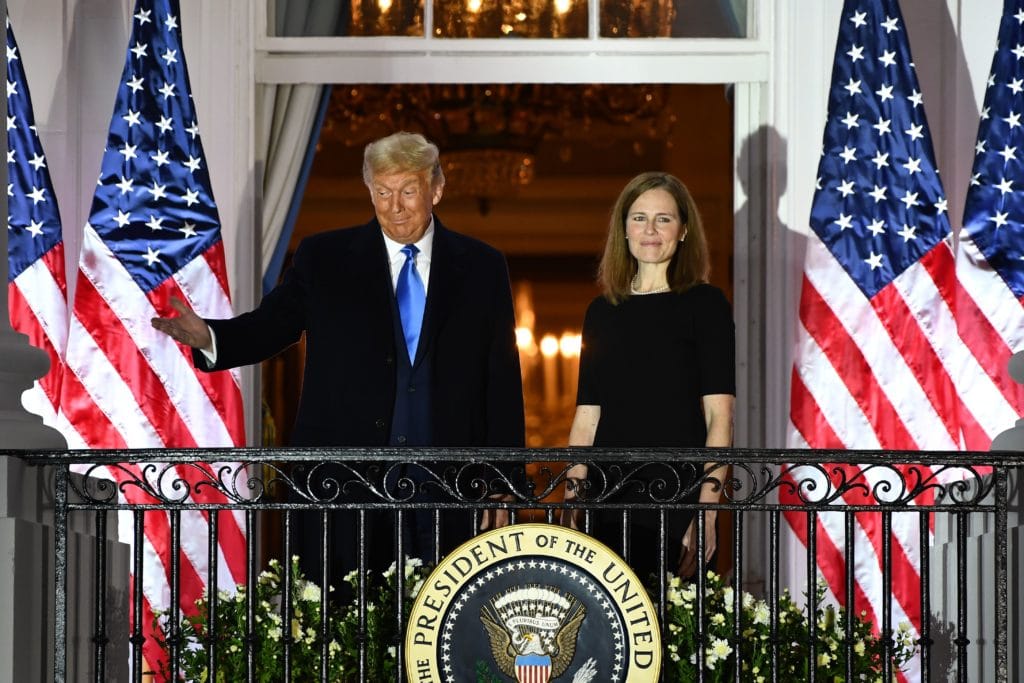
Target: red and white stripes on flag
[(37, 303), (903, 339), (153, 234), (990, 319), (989, 287), (862, 380), (132, 386)]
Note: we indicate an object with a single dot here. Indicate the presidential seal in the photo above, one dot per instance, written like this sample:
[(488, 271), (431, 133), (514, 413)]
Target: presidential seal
[(533, 603)]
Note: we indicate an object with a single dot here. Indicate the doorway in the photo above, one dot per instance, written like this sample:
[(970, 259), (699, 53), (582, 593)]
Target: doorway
[(552, 227)]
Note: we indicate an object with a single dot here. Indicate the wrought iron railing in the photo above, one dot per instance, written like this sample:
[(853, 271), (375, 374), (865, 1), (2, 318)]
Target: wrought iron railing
[(813, 489)]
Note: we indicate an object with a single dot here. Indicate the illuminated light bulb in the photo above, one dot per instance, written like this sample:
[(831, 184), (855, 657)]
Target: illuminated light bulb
[(570, 344), (384, 5), (524, 338), (473, 5), (521, 16), (562, 6), (549, 346)]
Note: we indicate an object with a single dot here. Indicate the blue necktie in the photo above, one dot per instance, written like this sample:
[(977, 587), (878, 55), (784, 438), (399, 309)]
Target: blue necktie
[(412, 298)]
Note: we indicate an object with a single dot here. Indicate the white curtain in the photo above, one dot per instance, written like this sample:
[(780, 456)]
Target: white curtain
[(285, 117)]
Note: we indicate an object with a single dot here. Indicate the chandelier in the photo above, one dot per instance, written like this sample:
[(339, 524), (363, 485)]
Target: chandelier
[(513, 18), (489, 135)]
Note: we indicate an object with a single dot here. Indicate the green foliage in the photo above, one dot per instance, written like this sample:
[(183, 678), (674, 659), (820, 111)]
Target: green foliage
[(755, 646), (484, 673), (381, 629), (304, 633)]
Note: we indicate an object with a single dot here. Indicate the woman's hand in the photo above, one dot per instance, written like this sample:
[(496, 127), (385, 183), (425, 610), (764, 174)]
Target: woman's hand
[(688, 553), (575, 477), (497, 517)]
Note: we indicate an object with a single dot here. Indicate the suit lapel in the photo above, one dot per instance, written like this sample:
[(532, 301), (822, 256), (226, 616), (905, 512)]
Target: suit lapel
[(447, 270)]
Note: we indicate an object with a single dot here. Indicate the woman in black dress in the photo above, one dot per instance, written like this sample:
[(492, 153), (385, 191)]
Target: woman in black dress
[(657, 367)]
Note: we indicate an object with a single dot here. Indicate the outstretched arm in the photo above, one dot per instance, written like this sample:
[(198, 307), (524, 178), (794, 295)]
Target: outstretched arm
[(278, 321)]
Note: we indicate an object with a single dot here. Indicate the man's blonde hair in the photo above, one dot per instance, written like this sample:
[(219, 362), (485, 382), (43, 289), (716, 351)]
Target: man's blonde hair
[(402, 152)]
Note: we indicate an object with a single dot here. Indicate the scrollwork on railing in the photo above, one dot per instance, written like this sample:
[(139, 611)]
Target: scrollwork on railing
[(316, 479), (887, 484), (653, 482), (163, 483)]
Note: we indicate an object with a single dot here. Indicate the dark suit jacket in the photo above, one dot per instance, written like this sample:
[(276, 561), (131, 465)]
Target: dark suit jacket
[(339, 293)]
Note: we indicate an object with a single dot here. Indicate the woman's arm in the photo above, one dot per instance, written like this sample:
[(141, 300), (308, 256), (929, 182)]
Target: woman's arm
[(584, 425), (718, 416), (582, 433)]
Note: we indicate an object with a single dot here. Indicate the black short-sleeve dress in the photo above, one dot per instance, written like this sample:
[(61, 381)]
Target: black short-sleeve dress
[(647, 362)]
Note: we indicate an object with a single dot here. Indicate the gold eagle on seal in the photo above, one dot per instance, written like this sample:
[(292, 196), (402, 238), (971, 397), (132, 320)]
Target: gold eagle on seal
[(533, 623)]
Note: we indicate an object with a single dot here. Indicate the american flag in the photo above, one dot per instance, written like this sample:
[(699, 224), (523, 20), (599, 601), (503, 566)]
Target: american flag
[(990, 251), (879, 360), (153, 233), (36, 286)]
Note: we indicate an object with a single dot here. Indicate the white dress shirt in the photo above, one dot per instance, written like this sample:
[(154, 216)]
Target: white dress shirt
[(396, 259)]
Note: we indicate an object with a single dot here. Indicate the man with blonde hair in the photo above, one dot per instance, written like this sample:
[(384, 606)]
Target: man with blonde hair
[(410, 337)]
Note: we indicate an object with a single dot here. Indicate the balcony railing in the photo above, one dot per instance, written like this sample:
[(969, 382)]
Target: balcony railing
[(954, 507)]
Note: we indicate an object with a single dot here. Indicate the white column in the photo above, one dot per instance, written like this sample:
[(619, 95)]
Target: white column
[(219, 43)]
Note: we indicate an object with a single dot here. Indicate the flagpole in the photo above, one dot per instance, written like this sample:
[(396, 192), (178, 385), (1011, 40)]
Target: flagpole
[(20, 363)]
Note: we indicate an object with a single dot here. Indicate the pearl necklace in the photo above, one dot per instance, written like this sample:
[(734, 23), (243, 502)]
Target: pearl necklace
[(633, 287)]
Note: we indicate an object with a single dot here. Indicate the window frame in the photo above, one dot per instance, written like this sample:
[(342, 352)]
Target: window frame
[(746, 63)]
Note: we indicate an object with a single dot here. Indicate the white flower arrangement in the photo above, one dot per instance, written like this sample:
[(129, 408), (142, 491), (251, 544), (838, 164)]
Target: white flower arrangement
[(754, 651)]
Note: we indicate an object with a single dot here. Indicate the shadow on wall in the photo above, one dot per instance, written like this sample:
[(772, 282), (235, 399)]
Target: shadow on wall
[(769, 253)]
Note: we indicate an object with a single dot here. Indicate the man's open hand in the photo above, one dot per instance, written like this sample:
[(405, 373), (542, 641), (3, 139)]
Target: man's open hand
[(187, 328)]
